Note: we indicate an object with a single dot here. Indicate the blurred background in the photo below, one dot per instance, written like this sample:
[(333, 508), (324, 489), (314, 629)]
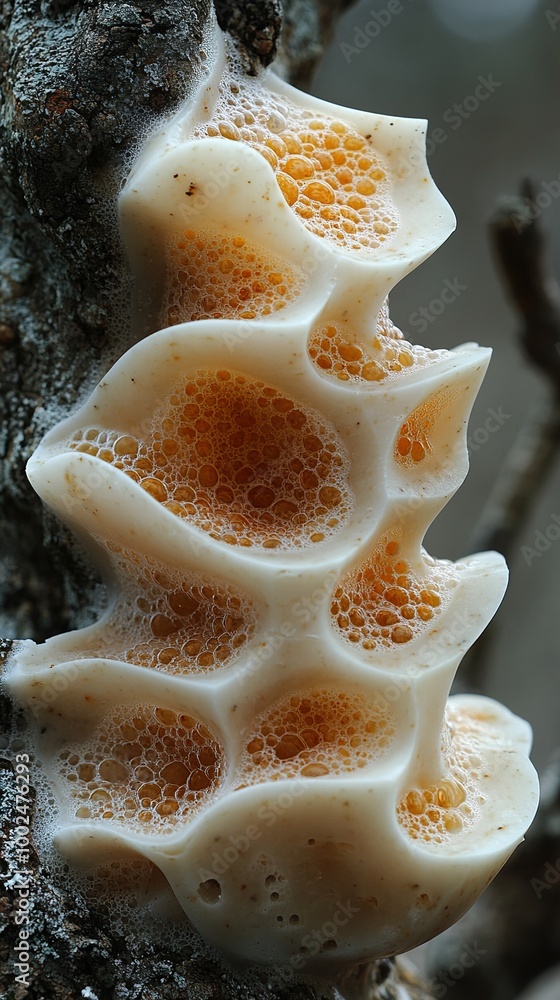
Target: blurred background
[(485, 75)]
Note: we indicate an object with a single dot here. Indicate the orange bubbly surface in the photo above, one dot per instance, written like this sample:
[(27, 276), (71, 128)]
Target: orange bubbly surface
[(168, 622), (317, 732), (387, 602), (144, 767), (438, 812), (336, 353), (239, 459), (328, 172), (212, 276), (415, 438)]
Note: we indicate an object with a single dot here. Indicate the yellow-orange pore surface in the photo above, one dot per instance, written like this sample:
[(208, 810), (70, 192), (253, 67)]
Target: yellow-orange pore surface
[(144, 767), (170, 622), (328, 172), (336, 353), (415, 438), (239, 459), (438, 812), (211, 276), (317, 732), (387, 601)]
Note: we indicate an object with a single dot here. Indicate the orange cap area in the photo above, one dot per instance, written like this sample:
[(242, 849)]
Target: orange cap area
[(315, 733), (415, 438), (433, 813), (387, 602), (170, 623), (144, 767), (328, 172), (437, 812), (240, 460), (336, 353), (224, 277)]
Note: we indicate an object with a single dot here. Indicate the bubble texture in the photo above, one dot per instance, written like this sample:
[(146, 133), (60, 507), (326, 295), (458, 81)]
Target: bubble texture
[(243, 679), (329, 174), (435, 814), (144, 767), (316, 733), (336, 353), (240, 460), (169, 622), (415, 438), (211, 276), (388, 602)]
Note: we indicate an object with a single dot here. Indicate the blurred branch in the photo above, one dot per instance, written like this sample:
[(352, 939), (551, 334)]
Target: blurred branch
[(518, 244)]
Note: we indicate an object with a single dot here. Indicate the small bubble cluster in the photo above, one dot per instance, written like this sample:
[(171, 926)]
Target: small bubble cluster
[(122, 879), (214, 277), (335, 352), (148, 768), (110, 446), (438, 812), (328, 172), (415, 437), (164, 621), (315, 733), (238, 458), (387, 602), (433, 813)]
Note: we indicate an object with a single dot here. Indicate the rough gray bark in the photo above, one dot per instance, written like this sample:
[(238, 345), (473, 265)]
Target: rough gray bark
[(81, 84)]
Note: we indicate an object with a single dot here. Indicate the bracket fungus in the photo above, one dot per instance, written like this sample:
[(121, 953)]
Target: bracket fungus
[(262, 711)]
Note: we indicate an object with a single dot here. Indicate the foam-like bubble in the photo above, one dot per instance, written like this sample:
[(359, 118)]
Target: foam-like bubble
[(415, 438), (253, 751), (240, 460), (318, 732), (438, 813), (143, 767), (387, 601), (336, 353), (162, 620), (328, 172), (215, 276)]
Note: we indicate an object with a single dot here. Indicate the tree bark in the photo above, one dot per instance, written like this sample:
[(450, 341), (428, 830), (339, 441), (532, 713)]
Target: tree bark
[(82, 85)]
